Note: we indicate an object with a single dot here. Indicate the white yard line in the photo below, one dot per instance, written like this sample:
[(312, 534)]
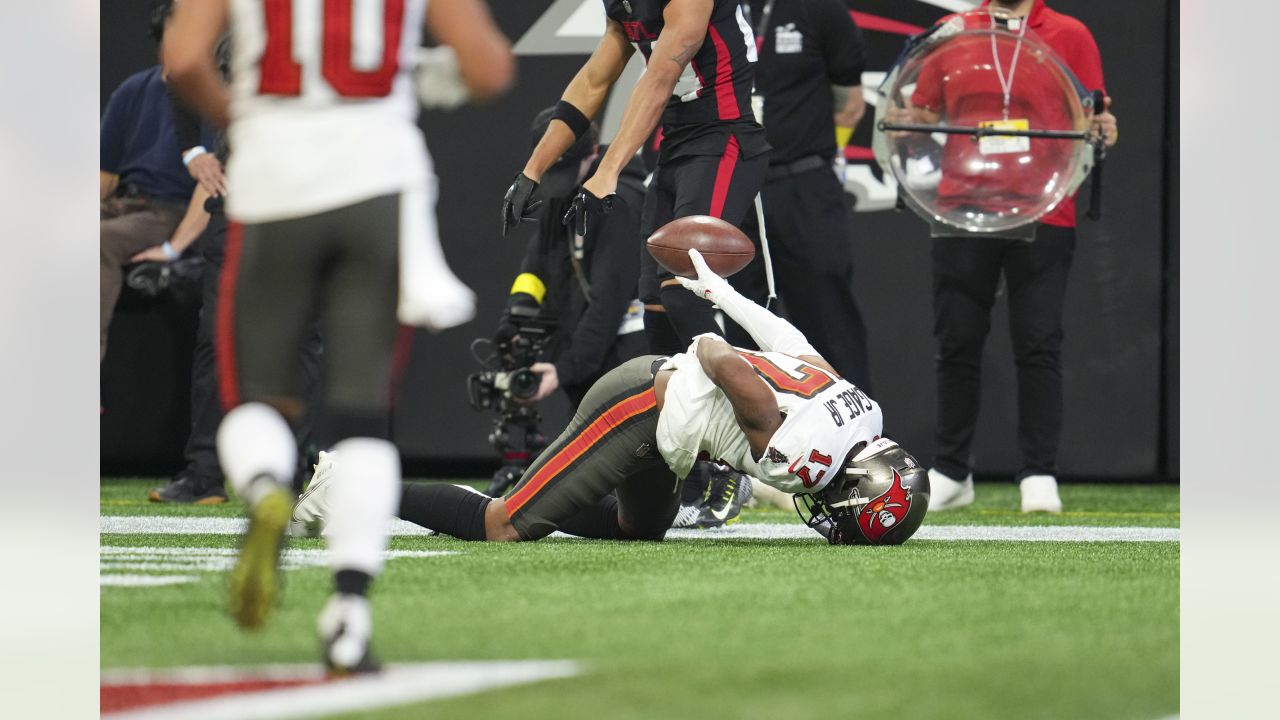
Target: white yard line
[(396, 685), (144, 580), (171, 525), (115, 560)]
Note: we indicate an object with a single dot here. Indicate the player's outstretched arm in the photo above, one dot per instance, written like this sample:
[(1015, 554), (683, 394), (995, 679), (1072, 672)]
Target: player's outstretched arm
[(587, 92), (754, 405), (684, 29), (771, 333), (189, 60), (581, 102), (484, 54)]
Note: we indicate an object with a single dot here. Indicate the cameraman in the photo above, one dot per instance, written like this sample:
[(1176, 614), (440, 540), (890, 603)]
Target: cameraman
[(586, 286)]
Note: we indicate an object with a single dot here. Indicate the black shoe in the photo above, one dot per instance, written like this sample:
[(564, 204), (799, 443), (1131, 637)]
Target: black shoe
[(727, 492), (190, 489)]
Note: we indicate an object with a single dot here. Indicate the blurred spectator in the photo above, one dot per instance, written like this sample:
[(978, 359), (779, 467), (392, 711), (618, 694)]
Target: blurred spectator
[(151, 209), (201, 481)]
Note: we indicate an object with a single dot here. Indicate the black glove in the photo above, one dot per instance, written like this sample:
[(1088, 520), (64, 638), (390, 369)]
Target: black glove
[(516, 207), (586, 209)]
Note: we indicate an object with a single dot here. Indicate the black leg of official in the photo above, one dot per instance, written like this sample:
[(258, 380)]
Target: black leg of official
[(206, 407), (809, 232), (1036, 277), (966, 271)]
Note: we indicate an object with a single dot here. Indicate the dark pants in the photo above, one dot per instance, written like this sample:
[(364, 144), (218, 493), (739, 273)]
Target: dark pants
[(129, 225), (341, 265), (610, 446), (723, 186), (625, 347), (966, 273), (206, 409), (807, 220)]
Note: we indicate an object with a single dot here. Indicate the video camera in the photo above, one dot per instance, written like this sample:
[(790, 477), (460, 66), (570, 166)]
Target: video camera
[(504, 383)]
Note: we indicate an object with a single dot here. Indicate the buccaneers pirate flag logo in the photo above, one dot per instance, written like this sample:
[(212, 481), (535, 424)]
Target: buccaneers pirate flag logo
[(885, 511)]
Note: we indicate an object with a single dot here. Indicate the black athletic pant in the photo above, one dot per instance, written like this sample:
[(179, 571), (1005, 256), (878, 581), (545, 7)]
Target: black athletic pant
[(723, 186), (610, 446), (807, 220), (966, 274), (201, 451), (341, 265)]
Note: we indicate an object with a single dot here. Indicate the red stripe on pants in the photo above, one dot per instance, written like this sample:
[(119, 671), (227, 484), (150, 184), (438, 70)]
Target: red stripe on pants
[(726, 102), (400, 360), (225, 331), (586, 439), (724, 176)]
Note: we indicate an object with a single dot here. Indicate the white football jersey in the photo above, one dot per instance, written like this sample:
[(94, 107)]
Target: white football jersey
[(824, 417), (323, 106)]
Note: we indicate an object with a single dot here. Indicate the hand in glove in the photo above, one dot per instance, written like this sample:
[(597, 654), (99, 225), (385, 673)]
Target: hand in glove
[(516, 205), (707, 284)]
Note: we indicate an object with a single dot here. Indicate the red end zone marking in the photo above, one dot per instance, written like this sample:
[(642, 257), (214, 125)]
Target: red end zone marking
[(118, 698)]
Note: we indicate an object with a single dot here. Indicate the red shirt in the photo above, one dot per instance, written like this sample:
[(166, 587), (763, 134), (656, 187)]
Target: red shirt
[(972, 97)]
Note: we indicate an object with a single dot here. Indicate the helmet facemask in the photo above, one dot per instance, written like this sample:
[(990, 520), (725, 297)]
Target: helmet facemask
[(880, 498), (832, 511)]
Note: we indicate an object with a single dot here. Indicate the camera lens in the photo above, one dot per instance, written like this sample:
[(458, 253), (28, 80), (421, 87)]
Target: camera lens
[(524, 383)]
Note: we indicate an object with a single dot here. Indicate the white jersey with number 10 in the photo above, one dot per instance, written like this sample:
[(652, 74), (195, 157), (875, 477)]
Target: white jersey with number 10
[(323, 111), (824, 417)]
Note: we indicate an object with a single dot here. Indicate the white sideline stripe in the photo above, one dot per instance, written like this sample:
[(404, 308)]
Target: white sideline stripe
[(173, 525), (145, 580), (188, 560), (396, 685), (952, 533)]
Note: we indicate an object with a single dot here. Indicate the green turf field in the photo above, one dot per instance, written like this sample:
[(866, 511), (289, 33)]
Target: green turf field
[(723, 627)]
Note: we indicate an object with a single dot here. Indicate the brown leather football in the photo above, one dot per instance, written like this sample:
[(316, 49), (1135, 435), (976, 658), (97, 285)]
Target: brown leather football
[(725, 248)]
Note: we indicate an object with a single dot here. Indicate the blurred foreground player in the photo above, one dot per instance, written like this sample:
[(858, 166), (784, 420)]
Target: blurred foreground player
[(781, 415), (334, 187), (699, 58)]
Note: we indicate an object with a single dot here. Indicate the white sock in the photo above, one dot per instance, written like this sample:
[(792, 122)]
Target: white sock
[(255, 440), (362, 502)]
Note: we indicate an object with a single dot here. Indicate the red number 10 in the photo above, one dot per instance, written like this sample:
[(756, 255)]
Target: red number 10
[(282, 75)]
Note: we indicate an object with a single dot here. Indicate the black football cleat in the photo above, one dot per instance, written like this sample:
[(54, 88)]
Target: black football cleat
[(189, 489)]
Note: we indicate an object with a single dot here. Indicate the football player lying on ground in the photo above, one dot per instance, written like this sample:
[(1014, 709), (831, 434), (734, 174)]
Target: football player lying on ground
[(783, 416)]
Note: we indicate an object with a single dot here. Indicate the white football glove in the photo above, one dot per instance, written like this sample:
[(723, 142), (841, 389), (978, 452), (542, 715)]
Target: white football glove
[(439, 82), (708, 284)]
